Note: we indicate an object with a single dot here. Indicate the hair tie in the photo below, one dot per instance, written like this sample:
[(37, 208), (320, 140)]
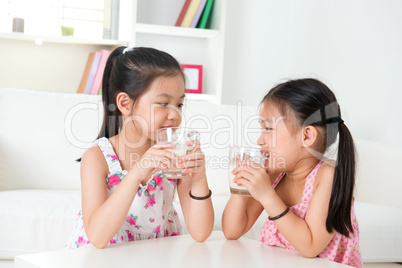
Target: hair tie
[(127, 49), (331, 120), (334, 120)]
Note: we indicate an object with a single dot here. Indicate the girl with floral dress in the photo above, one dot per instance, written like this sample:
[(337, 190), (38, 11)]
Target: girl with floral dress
[(309, 199), (125, 196)]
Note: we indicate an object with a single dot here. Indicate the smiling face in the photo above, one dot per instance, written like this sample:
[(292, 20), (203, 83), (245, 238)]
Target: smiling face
[(280, 138), (160, 106)]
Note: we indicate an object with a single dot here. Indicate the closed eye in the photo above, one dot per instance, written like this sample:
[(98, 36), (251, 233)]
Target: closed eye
[(266, 129)]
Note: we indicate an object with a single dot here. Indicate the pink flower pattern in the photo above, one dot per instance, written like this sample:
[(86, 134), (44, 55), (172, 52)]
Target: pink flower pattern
[(113, 157), (157, 230), (132, 220), (114, 180), (81, 241), (158, 180), (150, 201), (151, 188), (172, 181), (129, 236), (141, 221)]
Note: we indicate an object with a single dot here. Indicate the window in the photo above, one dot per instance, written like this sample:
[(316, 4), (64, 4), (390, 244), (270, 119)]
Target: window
[(95, 19)]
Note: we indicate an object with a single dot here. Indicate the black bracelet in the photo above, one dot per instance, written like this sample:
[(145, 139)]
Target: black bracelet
[(200, 198), (280, 215)]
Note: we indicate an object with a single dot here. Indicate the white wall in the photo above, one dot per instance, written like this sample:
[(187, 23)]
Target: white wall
[(355, 47), (256, 48), (46, 67)]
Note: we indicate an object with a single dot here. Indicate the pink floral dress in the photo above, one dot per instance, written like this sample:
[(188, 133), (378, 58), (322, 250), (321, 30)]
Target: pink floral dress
[(340, 249), (151, 214)]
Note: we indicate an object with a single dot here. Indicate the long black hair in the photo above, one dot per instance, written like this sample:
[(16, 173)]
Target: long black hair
[(313, 103)]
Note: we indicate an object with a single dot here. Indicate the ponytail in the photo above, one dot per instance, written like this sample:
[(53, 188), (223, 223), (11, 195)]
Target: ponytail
[(110, 126), (111, 115), (339, 209)]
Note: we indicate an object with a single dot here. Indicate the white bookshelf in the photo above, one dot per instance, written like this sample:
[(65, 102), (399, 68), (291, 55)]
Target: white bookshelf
[(46, 63), (39, 40), (57, 63), (151, 24), (176, 31)]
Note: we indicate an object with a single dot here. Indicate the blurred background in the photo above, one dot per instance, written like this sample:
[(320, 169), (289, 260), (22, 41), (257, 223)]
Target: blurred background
[(354, 46)]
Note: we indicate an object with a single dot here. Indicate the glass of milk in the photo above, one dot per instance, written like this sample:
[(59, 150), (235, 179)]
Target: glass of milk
[(238, 154), (179, 136)]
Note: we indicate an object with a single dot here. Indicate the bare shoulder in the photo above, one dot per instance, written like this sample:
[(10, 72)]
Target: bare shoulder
[(92, 153), (93, 161), (325, 174)]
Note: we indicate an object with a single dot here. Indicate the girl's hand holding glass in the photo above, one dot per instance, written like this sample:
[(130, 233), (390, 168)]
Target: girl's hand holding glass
[(254, 177), (193, 164), (183, 141), (155, 159)]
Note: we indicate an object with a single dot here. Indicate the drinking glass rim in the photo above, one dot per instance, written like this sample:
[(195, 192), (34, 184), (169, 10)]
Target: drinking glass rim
[(183, 128), (245, 147)]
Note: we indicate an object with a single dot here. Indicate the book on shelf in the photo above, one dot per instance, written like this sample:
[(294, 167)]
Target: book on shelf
[(192, 9), (92, 73), (99, 73), (182, 12), (84, 79), (206, 14), (198, 13)]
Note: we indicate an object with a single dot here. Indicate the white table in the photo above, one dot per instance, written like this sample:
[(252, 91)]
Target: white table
[(178, 251)]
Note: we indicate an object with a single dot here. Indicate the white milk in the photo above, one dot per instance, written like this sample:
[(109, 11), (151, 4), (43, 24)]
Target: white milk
[(234, 188), (237, 154), (180, 150)]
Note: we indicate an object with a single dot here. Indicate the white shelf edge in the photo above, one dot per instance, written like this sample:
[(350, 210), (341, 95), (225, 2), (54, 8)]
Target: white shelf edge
[(175, 31), (201, 97), (60, 40)]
